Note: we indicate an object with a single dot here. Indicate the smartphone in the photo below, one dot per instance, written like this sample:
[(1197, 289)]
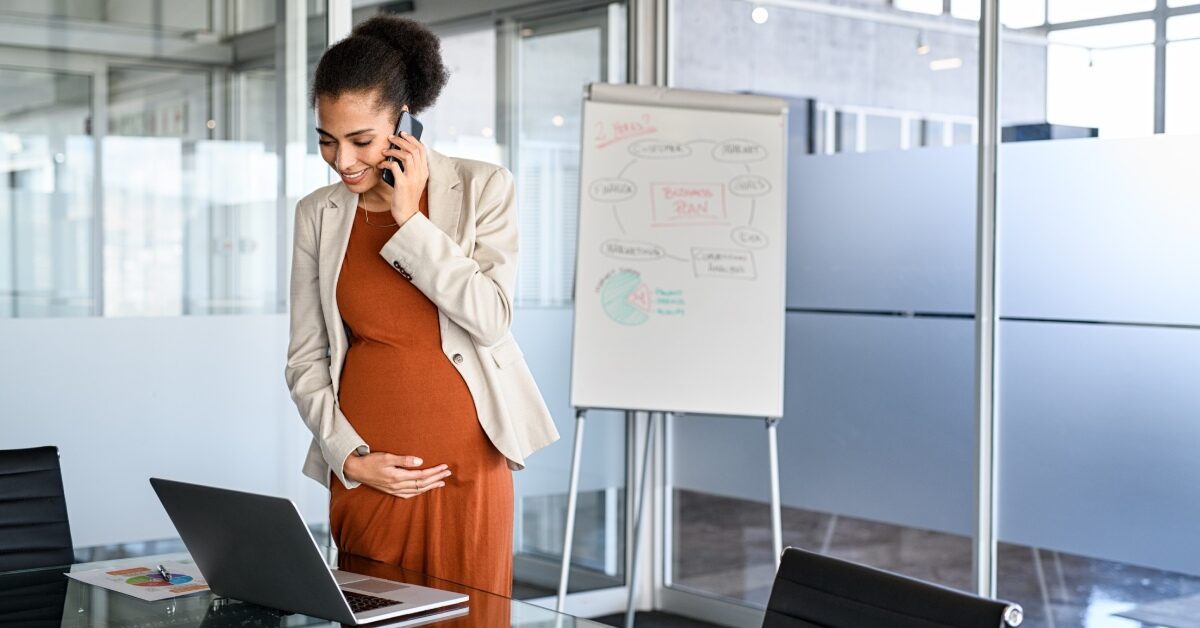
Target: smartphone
[(409, 125)]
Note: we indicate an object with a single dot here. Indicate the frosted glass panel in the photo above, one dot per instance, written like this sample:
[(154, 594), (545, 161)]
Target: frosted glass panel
[(545, 338), (1102, 230), (877, 424), (903, 242), (1096, 427)]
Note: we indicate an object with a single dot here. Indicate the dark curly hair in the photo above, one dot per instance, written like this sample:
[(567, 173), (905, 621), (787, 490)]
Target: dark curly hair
[(398, 59)]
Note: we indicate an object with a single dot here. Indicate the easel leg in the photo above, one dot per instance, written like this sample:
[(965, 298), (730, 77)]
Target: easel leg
[(776, 514), (634, 570), (572, 495)]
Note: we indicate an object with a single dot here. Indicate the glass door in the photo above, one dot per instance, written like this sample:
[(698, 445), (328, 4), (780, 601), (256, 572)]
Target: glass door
[(551, 60)]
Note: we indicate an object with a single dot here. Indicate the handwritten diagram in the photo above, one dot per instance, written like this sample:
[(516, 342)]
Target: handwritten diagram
[(680, 263), (704, 220)]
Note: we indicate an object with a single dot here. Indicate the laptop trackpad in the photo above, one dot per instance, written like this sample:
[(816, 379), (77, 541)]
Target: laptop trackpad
[(375, 585)]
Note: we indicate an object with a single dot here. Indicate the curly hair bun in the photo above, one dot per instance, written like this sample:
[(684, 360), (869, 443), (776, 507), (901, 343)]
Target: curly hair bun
[(419, 53)]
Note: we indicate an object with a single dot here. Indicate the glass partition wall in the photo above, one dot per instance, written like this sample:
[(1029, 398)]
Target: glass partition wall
[(1099, 330), (1095, 228), (146, 169), (876, 441)]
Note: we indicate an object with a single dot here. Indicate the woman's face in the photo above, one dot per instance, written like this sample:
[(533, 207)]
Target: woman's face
[(353, 134)]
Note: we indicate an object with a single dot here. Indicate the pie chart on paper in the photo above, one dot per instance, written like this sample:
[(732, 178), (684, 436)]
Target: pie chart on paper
[(625, 298), (155, 580)]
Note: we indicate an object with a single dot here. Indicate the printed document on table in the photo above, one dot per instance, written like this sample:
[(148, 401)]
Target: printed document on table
[(145, 582)]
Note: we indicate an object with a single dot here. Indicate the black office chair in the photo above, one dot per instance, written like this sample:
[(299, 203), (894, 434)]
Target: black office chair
[(815, 591), (33, 510)]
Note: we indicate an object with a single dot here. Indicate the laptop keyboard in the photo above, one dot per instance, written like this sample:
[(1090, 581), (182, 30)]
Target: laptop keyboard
[(360, 603)]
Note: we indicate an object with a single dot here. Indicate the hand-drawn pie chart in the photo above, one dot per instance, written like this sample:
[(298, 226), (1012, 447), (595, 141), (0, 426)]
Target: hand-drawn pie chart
[(155, 580), (625, 298)]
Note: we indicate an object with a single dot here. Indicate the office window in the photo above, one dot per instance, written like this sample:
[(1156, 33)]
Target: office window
[(554, 68), (1013, 13), (462, 122), (1183, 27), (145, 163), (931, 7), (1103, 77), (46, 209), (1072, 10), (1183, 90)]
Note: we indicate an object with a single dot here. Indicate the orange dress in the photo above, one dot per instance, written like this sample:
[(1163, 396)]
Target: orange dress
[(404, 396)]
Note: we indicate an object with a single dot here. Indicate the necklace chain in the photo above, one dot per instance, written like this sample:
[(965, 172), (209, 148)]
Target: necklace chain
[(367, 218)]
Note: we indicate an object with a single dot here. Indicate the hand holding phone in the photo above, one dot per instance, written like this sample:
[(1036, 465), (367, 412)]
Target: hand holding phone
[(407, 124)]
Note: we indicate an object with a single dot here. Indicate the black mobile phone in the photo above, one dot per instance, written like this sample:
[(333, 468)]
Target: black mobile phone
[(409, 125)]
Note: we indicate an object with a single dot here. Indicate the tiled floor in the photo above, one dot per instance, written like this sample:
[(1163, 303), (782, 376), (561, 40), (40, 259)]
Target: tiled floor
[(723, 547)]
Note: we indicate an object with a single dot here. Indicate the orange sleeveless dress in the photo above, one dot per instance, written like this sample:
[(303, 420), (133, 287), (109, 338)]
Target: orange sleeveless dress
[(404, 396)]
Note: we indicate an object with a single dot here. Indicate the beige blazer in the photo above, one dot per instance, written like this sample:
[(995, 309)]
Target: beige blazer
[(463, 257)]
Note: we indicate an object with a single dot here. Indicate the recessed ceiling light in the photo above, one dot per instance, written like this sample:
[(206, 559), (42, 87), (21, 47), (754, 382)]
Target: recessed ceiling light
[(952, 63)]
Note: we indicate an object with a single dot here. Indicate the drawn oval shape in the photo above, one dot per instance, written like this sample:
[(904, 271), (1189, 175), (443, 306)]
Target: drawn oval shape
[(612, 190), (739, 151), (659, 149), (749, 185), (631, 250), (749, 237)]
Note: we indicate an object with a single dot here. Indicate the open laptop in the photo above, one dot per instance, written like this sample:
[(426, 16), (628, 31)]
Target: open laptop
[(256, 548)]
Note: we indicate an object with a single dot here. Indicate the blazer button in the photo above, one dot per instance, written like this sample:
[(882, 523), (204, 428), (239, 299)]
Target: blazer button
[(458, 359), (397, 265)]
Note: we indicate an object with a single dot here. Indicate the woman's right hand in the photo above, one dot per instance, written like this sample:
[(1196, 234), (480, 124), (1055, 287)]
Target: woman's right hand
[(395, 475)]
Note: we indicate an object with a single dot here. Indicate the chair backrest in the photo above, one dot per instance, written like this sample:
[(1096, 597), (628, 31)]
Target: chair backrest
[(33, 510), (815, 591)]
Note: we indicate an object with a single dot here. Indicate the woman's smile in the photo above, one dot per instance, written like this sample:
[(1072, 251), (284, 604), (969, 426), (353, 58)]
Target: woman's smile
[(354, 177)]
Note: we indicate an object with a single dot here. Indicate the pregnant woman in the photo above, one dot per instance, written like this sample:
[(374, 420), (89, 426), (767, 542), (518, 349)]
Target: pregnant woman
[(400, 360)]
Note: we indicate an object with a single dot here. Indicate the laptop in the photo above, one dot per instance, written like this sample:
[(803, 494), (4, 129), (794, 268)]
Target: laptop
[(256, 548)]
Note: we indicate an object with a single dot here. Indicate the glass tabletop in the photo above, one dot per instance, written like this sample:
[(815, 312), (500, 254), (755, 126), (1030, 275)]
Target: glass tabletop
[(46, 597)]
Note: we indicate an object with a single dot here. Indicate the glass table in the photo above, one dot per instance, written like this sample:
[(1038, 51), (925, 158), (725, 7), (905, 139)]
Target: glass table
[(45, 598)]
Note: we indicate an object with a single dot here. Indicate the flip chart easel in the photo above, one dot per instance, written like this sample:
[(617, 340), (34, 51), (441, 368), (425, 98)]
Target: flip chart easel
[(679, 278)]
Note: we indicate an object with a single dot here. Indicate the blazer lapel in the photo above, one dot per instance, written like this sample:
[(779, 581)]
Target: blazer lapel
[(445, 194), (337, 219)]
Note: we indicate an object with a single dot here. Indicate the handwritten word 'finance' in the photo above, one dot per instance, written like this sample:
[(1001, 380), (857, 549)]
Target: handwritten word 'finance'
[(612, 190), (687, 203)]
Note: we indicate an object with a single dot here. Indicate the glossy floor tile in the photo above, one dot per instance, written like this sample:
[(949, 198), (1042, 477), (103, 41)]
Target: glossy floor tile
[(722, 547)]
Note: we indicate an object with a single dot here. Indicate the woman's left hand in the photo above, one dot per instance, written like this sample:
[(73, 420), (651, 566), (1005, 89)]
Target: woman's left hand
[(410, 182)]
